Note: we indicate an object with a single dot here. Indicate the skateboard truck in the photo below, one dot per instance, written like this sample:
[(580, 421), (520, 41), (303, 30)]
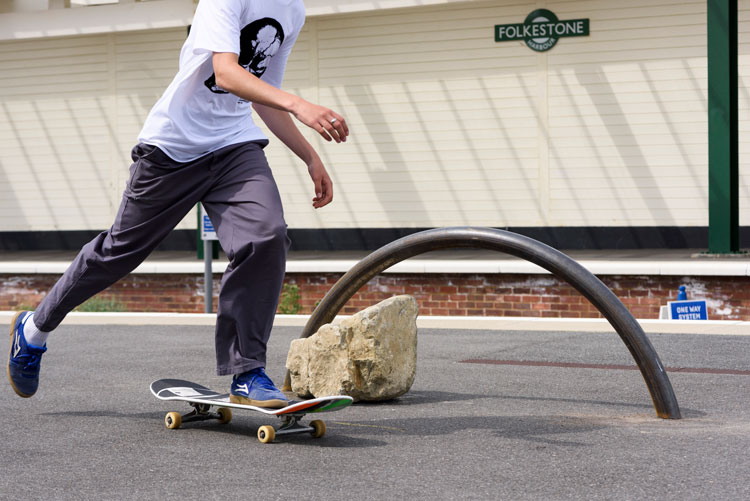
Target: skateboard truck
[(291, 426), (200, 412)]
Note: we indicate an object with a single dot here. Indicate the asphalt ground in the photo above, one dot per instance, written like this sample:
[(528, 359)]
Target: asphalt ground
[(465, 430)]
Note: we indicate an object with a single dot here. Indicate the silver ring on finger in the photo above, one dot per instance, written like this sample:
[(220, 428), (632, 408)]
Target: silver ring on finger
[(333, 121)]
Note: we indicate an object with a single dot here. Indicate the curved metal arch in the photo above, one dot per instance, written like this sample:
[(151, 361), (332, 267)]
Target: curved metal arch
[(526, 248)]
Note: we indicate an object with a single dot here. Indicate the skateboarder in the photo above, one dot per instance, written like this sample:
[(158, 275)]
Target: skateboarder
[(200, 143)]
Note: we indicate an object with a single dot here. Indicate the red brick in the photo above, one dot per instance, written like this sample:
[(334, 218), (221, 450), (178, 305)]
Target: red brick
[(550, 299), (570, 314), (580, 307), (564, 307), (650, 301)]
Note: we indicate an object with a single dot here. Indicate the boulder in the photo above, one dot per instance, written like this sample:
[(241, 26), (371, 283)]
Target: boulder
[(371, 355)]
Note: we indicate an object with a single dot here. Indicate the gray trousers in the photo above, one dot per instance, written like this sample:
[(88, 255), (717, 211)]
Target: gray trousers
[(239, 193)]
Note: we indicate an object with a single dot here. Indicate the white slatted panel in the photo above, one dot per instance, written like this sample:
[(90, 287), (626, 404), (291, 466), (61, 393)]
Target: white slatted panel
[(443, 126), (55, 133), (452, 128), (70, 111), (628, 115), (448, 127), (744, 106)]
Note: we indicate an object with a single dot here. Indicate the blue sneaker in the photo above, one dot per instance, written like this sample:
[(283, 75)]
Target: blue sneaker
[(24, 360), (256, 388)]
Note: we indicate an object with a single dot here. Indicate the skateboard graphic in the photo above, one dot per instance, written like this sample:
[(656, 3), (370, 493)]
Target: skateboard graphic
[(202, 399)]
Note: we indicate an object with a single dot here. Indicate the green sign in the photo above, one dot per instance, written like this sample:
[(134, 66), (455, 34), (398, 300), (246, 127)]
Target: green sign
[(541, 30)]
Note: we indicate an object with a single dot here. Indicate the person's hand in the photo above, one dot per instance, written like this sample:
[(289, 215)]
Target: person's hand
[(322, 182), (326, 122)]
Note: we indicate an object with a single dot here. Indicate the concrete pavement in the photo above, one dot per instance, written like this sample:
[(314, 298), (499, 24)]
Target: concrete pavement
[(507, 427)]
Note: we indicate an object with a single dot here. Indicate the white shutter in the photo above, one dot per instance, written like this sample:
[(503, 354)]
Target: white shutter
[(70, 111), (55, 134), (448, 126)]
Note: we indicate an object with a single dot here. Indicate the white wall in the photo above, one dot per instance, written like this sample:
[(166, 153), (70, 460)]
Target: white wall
[(744, 108), (23, 5), (431, 99), (448, 127), (628, 117), (70, 109), (125, 16), (323, 7)]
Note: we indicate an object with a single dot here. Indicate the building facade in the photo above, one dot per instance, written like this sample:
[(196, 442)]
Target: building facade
[(600, 141)]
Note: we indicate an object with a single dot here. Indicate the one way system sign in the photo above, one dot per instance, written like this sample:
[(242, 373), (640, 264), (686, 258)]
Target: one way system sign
[(688, 310)]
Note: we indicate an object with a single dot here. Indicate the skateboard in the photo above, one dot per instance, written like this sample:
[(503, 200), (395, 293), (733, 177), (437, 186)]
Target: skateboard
[(202, 399)]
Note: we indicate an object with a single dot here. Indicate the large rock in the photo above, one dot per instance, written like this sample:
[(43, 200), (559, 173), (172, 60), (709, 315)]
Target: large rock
[(370, 356)]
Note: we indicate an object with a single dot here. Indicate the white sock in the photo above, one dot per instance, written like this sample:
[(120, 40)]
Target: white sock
[(32, 334)]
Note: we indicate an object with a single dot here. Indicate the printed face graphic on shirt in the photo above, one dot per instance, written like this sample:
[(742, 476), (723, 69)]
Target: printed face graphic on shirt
[(259, 42)]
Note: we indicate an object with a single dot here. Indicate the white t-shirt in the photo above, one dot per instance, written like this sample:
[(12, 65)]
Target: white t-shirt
[(195, 116)]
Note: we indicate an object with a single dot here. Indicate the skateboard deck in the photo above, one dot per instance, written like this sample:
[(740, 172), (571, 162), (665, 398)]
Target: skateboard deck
[(202, 399)]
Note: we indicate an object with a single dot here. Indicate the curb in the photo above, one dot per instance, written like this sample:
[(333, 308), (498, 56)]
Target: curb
[(650, 326)]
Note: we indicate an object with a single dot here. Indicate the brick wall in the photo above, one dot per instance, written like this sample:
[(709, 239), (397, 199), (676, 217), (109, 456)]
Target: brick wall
[(446, 294), (509, 295)]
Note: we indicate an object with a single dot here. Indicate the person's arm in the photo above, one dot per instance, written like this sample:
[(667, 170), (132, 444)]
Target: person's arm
[(233, 78), (283, 127)]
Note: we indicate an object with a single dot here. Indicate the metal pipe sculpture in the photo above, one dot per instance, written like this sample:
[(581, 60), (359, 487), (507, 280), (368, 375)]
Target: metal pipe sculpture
[(526, 248)]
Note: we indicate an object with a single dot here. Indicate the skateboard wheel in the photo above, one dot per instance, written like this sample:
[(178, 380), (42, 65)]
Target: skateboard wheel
[(319, 428), (266, 434), (173, 420), (225, 415)]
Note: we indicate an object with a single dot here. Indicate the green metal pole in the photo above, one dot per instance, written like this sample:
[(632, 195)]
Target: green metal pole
[(723, 151)]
